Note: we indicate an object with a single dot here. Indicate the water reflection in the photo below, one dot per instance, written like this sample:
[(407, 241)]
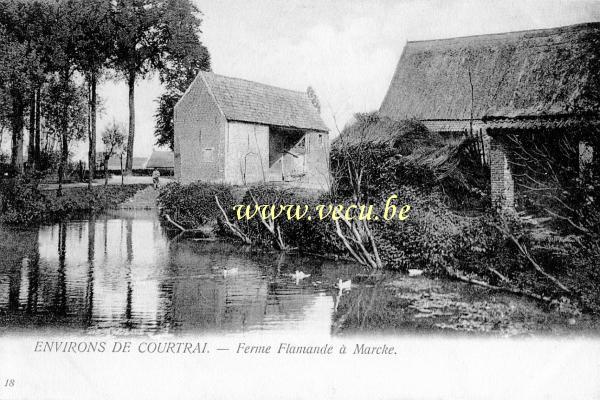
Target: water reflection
[(120, 273)]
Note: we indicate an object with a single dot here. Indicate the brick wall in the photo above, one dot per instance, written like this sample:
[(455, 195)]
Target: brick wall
[(502, 183), (200, 131)]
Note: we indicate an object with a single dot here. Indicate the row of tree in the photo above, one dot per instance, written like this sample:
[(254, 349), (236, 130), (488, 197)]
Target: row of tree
[(55, 51)]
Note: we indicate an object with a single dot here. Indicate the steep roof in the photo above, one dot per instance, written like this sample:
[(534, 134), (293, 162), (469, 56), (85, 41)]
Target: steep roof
[(247, 101), (160, 159), (546, 72)]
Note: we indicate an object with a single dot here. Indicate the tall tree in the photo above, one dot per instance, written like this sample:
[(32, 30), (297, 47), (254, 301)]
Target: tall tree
[(35, 32), (94, 27), (15, 62), (137, 50), (65, 14), (56, 99), (184, 56), (27, 23), (20, 66)]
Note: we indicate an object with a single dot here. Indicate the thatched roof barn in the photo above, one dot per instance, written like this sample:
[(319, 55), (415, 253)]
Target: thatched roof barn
[(539, 73), (529, 80)]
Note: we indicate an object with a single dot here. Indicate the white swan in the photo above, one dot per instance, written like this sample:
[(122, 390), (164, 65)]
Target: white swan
[(230, 271), (300, 275)]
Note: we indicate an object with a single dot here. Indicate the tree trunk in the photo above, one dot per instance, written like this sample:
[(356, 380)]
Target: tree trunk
[(106, 158), (122, 177), (92, 133), (129, 160), (17, 131), (64, 150), (31, 146), (38, 102)]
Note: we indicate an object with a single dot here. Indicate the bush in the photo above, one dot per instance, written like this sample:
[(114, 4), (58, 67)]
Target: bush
[(426, 239), (394, 153), (194, 205), (21, 202), (313, 235)]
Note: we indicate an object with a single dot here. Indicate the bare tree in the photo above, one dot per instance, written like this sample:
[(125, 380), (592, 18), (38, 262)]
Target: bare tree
[(113, 138), (354, 158)]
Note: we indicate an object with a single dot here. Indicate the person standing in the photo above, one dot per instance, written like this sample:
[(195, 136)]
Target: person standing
[(155, 177)]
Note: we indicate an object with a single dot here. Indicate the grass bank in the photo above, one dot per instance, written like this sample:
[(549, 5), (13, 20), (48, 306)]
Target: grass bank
[(23, 203), (401, 305)]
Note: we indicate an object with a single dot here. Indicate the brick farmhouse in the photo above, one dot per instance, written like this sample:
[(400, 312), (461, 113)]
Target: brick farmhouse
[(535, 82), (239, 132)]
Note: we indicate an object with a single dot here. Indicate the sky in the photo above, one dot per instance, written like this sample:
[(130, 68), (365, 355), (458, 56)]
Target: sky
[(347, 50)]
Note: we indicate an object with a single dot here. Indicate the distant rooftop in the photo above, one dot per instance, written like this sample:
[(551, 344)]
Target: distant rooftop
[(114, 162), (160, 159)]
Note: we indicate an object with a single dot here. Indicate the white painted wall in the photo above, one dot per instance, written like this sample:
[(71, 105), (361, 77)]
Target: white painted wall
[(247, 153)]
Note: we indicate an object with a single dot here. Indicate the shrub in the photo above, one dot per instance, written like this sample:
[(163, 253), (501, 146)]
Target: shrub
[(426, 239), (21, 201), (391, 153), (194, 205), (313, 235)]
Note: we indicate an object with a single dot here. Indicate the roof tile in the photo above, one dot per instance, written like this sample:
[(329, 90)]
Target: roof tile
[(247, 101)]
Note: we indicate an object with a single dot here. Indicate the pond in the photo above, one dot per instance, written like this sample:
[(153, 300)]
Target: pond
[(122, 273)]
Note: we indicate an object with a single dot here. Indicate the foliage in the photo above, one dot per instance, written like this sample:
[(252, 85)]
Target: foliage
[(313, 236), (136, 49), (48, 161), (164, 130), (21, 202), (194, 205), (18, 64), (95, 31), (395, 153), (157, 35), (185, 56), (263, 194), (56, 98), (95, 45), (57, 43), (114, 138), (427, 239), (555, 186)]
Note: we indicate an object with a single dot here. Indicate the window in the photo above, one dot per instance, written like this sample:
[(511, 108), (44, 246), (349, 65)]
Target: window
[(208, 154), (321, 139)]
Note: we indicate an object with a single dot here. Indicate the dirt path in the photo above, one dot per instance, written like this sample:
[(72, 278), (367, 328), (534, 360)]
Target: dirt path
[(145, 199), (113, 181)]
